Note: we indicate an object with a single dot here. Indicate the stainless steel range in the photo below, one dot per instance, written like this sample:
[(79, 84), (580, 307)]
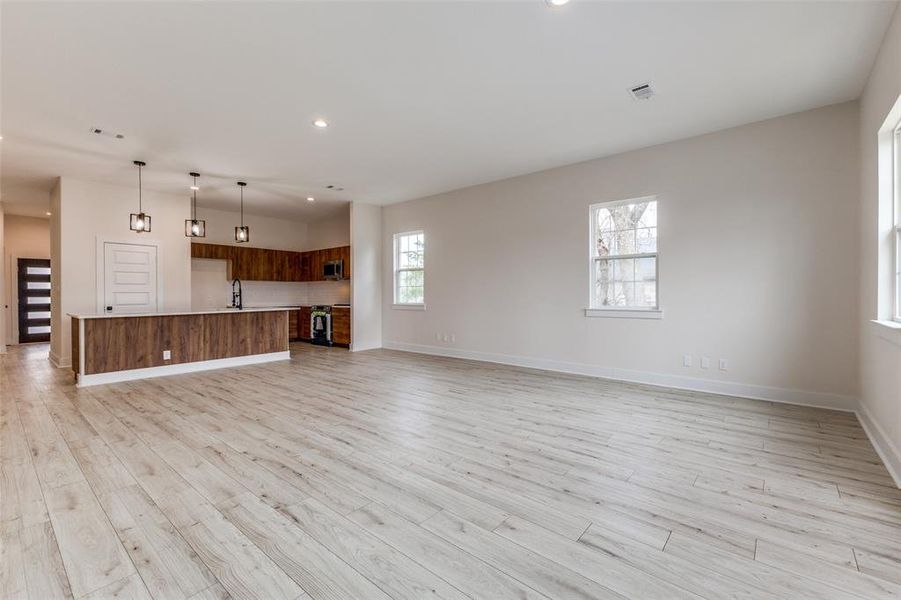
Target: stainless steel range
[(321, 325)]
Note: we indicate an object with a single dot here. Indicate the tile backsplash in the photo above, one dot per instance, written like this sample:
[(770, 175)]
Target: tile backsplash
[(328, 292)]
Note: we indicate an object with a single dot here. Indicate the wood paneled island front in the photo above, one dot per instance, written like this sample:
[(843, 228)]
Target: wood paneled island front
[(109, 348)]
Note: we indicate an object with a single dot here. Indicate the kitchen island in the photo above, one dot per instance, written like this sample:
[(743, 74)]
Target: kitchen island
[(109, 348)]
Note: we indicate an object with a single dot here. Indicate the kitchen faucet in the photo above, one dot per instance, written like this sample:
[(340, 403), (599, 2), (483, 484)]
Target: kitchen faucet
[(236, 295)]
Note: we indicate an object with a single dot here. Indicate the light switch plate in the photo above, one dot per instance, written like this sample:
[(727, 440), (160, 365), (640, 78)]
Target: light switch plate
[(167, 355), (705, 362)]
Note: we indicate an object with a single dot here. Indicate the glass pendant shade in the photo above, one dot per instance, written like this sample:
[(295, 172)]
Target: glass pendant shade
[(195, 228), (140, 222)]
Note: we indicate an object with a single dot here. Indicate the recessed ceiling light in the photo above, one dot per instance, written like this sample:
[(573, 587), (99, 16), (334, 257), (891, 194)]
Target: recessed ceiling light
[(320, 123), (556, 3), (311, 199)]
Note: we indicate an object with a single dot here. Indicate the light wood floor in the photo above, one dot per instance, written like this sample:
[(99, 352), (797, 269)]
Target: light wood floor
[(389, 475)]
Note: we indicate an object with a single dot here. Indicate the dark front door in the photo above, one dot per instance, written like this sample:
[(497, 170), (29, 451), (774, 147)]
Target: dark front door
[(34, 300)]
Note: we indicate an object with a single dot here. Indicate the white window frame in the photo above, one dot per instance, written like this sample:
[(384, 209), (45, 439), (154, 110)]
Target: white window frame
[(629, 312), (407, 305), (896, 230)]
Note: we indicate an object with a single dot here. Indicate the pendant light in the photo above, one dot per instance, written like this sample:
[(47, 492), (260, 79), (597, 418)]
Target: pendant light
[(139, 221), (242, 233), (194, 227)]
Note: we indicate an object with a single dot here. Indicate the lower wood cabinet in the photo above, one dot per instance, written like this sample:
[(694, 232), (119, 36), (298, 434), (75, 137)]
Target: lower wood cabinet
[(293, 324), (341, 325), (305, 333)]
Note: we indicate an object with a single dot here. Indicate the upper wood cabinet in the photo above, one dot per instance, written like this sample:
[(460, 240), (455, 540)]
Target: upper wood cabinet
[(344, 254), (317, 258), (264, 264), (306, 266), (219, 251)]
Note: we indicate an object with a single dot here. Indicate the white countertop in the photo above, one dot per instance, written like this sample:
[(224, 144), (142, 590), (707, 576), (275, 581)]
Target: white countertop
[(214, 311)]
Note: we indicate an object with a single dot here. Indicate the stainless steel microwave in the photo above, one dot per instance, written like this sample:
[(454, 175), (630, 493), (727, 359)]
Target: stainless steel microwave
[(333, 269)]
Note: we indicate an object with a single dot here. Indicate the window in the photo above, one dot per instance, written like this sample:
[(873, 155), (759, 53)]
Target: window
[(624, 255), (896, 313), (409, 269)]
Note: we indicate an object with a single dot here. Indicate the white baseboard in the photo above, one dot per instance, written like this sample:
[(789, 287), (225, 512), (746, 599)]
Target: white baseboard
[(362, 347), (728, 388), (887, 451), (59, 362), (192, 367)]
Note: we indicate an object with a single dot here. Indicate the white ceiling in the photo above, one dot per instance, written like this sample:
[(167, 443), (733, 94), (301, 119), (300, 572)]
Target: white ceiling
[(423, 97)]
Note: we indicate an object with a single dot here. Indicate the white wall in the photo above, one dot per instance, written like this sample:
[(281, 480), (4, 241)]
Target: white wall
[(758, 264), (89, 211), (281, 234), (23, 237), (265, 232), (56, 279), (366, 289), (880, 357), (329, 233), (2, 283)]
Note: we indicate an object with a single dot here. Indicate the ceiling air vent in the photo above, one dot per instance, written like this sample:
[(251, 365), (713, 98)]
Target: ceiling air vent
[(642, 92)]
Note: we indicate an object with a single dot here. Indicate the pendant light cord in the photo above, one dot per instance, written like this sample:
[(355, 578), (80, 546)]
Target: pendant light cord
[(194, 203), (140, 210), (242, 206)]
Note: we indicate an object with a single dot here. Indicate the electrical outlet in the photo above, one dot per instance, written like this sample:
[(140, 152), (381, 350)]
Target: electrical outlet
[(705, 362), (453, 337), (686, 360), (167, 355), (724, 364)]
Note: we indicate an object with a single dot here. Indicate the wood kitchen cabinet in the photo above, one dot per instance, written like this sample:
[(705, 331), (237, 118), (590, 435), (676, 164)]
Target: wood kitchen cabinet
[(242, 260), (305, 328), (281, 265), (219, 251), (341, 325), (319, 257), (344, 254), (293, 325), (265, 264), (306, 269), (315, 265)]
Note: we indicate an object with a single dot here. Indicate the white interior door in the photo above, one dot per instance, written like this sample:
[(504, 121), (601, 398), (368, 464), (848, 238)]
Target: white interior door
[(130, 278)]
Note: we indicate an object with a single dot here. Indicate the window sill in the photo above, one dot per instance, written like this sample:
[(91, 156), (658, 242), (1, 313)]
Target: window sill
[(408, 306), (625, 313), (888, 330)]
